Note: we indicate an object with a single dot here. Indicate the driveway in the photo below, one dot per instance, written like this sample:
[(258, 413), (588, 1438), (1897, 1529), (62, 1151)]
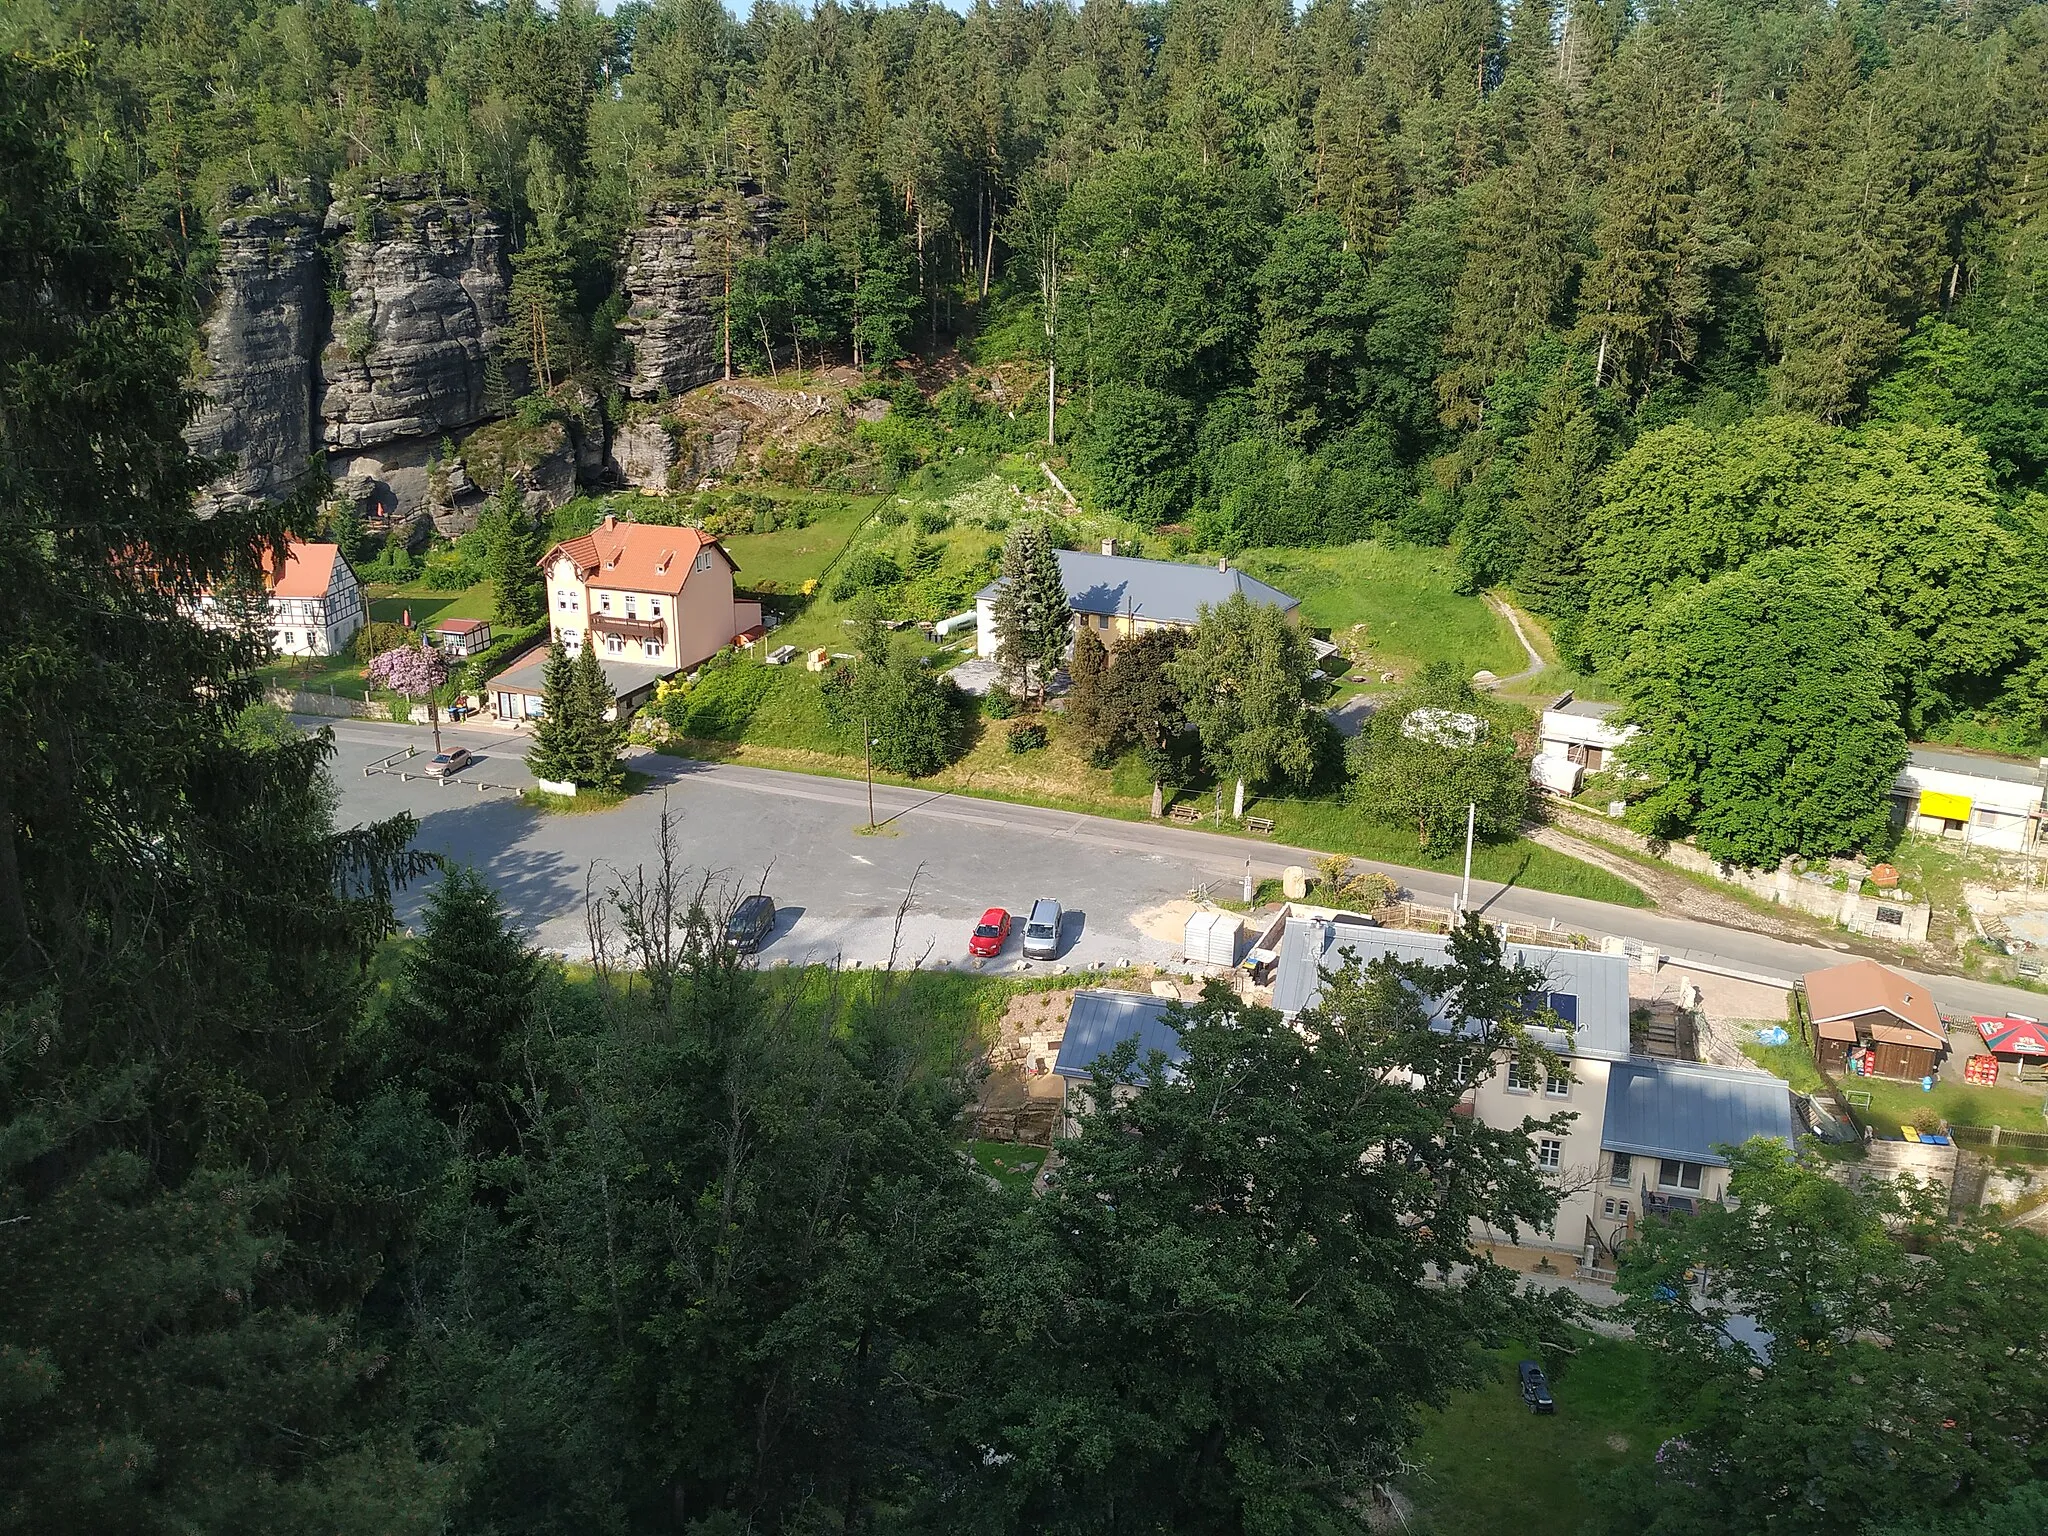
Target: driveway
[(804, 836)]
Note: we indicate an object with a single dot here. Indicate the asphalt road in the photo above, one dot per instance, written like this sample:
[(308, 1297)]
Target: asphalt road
[(803, 839)]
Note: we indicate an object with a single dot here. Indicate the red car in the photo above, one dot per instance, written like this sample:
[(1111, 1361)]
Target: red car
[(990, 934)]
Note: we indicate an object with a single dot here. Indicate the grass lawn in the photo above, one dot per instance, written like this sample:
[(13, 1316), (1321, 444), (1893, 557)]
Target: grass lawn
[(389, 605), (315, 674), (1401, 599), (1011, 1165), (1487, 1466), (586, 801), (1893, 1104), (783, 561)]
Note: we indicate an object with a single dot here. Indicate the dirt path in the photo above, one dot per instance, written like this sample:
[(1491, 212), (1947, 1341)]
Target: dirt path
[(1672, 892), (1536, 663)]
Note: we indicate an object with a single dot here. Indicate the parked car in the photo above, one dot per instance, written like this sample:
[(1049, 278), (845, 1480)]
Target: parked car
[(990, 934), (752, 921), (448, 762), (1536, 1388), (1042, 931)]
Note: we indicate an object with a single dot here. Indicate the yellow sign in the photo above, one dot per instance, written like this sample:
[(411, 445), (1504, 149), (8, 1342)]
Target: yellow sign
[(1947, 807)]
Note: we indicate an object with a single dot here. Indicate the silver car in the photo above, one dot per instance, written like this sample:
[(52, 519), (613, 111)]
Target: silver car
[(1042, 931)]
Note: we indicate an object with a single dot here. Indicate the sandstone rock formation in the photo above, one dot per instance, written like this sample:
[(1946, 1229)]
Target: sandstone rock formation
[(643, 453), (425, 278), (268, 312), (674, 286)]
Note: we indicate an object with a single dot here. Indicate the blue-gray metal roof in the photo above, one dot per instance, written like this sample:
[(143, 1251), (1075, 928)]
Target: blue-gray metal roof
[(1585, 988), (1166, 590), (1098, 1022), (1685, 1110)]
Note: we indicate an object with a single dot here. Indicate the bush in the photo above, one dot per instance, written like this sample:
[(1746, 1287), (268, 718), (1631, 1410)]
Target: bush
[(719, 704), (867, 571), (999, 703), (377, 637), (892, 516), (456, 575), (1026, 736), (931, 519)]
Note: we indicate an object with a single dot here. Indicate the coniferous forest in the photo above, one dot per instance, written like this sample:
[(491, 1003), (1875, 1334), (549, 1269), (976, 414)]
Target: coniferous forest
[(1685, 322)]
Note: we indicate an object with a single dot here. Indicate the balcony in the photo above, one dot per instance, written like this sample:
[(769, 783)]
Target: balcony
[(630, 629)]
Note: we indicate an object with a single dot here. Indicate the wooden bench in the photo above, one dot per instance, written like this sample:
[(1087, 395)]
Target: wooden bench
[(1261, 825), (1188, 815)]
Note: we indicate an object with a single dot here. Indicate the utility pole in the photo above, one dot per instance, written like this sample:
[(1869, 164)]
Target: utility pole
[(867, 757), (1465, 891)]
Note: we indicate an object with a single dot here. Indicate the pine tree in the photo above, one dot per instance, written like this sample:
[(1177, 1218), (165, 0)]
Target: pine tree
[(603, 737), (1086, 714), (1033, 616), (1555, 484), (560, 738)]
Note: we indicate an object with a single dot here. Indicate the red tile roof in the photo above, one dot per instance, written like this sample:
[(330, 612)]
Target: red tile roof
[(308, 569), (641, 557), (460, 626)]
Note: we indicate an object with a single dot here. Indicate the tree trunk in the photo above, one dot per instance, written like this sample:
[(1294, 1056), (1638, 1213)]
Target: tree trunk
[(1050, 396)]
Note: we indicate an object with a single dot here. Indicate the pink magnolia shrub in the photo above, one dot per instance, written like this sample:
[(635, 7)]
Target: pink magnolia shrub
[(412, 670)]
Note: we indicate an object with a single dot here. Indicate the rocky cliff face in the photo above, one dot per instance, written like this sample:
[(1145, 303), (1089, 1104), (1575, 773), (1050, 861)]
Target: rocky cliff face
[(425, 278), (268, 315), (674, 286)]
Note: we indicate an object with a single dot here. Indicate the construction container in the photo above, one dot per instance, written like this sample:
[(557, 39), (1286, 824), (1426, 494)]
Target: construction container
[(1211, 938)]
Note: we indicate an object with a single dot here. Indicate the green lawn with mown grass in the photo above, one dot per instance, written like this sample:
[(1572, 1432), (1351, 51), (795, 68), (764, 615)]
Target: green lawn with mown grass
[(1010, 1164), (390, 605), (1487, 1466), (782, 561)]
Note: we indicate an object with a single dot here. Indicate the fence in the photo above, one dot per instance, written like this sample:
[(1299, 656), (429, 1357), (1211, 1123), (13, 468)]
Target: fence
[(394, 765), (1983, 1137)]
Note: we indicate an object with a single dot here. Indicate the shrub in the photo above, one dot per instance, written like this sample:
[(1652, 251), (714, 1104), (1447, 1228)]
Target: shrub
[(719, 704), (892, 516), (377, 637), (999, 703), (1026, 736), (866, 571), (455, 575), (931, 519)]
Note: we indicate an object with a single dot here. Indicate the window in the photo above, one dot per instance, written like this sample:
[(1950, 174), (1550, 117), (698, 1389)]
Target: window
[(615, 645), (651, 649), (1673, 1174), (1558, 1085), (562, 602), (1549, 1153), (604, 602), (1564, 1004), (1607, 1209), (1622, 1169), (704, 561), (572, 639), (1518, 1079), (654, 606), (632, 605)]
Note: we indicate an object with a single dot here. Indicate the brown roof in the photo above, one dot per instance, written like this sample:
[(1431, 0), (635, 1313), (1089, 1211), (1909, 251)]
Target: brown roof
[(459, 626), (1864, 986), (308, 569), (643, 557)]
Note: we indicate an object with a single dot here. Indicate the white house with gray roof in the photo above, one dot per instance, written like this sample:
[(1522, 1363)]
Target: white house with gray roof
[(1648, 1132), (1117, 595), (1974, 798)]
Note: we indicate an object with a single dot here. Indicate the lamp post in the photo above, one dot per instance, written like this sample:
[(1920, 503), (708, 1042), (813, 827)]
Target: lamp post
[(1465, 890)]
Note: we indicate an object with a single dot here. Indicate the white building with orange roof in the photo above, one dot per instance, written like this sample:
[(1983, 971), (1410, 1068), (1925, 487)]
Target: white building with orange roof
[(315, 601), (652, 600)]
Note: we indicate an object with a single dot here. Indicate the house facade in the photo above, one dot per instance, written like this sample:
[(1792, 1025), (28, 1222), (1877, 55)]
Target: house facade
[(1118, 596), (1647, 1133), (1973, 799), (314, 601), (651, 600), (1577, 740)]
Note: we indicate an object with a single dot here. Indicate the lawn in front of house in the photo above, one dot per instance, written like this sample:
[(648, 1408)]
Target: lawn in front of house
[(1399, 603), (784, 560), (1010, 1164), (427, 607), (1894, 1104), (341, 674), (1487, 1466)]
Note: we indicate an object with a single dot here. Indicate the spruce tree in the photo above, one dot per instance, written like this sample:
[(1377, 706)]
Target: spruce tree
[(512, 552), (601, 739), (1555, 484), (560, 738), (462, 1000), (1086, 693), (1049, 612)]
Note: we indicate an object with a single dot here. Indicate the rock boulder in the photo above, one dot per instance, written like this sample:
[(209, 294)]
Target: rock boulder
[(674, 285)]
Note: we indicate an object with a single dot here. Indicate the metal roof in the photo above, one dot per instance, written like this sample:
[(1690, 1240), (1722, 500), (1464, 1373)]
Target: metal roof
[(625, 678), (1591, 709), (1166, 590), (1597, 983), (1685, 1110), (1098, 1022), (2004, 769)]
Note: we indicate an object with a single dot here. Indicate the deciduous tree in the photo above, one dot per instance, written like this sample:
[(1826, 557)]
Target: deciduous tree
[(1244, 687)]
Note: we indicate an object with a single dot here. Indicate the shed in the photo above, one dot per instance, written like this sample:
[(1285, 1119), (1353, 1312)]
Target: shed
[(462, 637), (1887, 1021), (1098, 1022), (1211, 938)]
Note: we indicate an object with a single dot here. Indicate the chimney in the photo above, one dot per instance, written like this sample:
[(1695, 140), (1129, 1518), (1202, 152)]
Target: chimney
[(610, 522), (1109, 546), (1223, 564)]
